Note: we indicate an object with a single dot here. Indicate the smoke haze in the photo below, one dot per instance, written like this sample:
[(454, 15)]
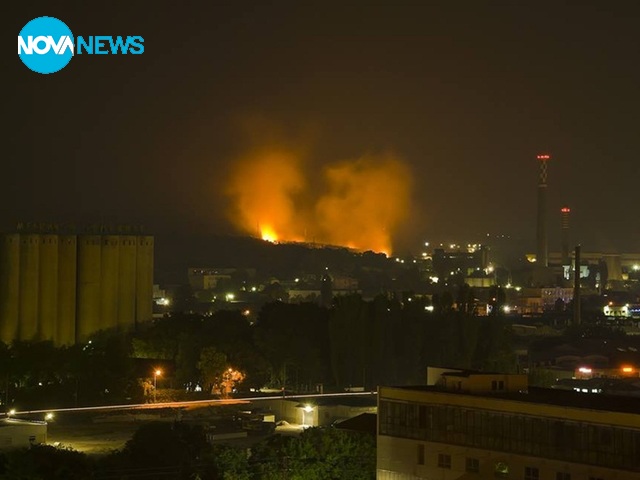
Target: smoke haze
[(365, 201), (277, 195)]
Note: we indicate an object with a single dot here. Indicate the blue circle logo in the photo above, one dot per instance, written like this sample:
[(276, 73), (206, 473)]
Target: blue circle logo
[(45, 45)]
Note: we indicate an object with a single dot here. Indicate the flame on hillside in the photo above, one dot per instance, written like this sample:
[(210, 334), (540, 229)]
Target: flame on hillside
[(355, 203)]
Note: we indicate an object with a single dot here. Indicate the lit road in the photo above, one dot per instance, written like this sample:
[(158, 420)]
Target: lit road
[(212, 402)]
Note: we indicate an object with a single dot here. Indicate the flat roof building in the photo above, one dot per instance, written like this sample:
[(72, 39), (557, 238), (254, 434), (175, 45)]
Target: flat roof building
[(468, 427), (16, 433)]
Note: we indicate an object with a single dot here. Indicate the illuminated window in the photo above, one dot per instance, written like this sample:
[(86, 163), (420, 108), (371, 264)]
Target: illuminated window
[(531, 473), (420, 454), (473, 465), (444, 461)]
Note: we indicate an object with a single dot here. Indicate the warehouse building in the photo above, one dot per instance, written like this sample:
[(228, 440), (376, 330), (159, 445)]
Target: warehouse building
[(63, 286)]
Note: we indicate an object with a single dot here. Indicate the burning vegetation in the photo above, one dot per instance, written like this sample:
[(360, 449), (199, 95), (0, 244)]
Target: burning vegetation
[(357, 203)]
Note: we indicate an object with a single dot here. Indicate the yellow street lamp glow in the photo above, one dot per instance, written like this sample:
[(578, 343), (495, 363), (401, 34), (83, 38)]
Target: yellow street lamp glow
[(156, 374), (11, 412), (49, 416)]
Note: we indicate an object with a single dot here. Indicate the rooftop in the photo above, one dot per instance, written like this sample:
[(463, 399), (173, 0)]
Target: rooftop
[(549, 396)]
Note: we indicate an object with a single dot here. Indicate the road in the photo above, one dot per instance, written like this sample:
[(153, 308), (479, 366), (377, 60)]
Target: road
[(185, 404), (101, 429)]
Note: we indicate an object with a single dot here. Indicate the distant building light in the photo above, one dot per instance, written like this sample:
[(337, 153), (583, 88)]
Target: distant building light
[(584, 370), (627, 369)]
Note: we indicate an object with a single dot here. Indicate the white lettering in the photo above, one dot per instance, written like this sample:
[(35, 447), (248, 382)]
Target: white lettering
[(32, 45), (47, 44), (23, 47), (63, 44)]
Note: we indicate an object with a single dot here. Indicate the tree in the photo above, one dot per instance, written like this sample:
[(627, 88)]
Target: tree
[(157, 449), (229, 463), (317, 454), (212, 365), (45, 462)]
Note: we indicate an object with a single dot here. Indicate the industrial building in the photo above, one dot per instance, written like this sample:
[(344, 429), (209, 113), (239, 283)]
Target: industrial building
[(16, 433), (482, 425), (63, 286)]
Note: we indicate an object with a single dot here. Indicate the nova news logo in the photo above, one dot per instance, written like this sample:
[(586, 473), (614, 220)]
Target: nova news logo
[(46, 45)]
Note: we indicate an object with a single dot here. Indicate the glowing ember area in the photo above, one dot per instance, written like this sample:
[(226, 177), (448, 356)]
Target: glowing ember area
[(264, 187), (268, 235), (355, 203)]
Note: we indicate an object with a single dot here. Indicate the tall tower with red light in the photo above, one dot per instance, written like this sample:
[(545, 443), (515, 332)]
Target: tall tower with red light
[(541, 237)]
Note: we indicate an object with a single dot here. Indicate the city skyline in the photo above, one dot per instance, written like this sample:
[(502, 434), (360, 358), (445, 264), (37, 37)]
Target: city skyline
[(466, 97)]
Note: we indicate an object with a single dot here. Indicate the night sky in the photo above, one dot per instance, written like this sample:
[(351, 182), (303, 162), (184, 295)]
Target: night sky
[(467, 95)]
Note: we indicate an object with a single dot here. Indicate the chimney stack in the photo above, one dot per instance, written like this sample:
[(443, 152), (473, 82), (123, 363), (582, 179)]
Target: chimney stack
[(541, 240), (565, 212)]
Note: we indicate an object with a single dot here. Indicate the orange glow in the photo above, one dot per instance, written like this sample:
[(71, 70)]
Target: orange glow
[(356, 203), (268, 235), (264, 187), (365, 201), (627, 369)]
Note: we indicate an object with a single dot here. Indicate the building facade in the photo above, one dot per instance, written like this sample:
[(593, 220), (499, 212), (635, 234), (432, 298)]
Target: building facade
[(16, 433), (64, 287), (431, 432)]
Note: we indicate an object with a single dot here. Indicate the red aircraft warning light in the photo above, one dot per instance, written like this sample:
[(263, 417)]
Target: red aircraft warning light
[(543, 157), (565, 210)]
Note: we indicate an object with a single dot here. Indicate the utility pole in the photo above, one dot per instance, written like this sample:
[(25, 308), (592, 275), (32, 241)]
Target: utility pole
[(576, 287)]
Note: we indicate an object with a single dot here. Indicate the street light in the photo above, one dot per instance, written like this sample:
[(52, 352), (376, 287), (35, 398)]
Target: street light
[(156, 374)]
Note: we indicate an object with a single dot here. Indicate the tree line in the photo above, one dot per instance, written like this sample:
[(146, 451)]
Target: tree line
[(387, 340), (180, 451)]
